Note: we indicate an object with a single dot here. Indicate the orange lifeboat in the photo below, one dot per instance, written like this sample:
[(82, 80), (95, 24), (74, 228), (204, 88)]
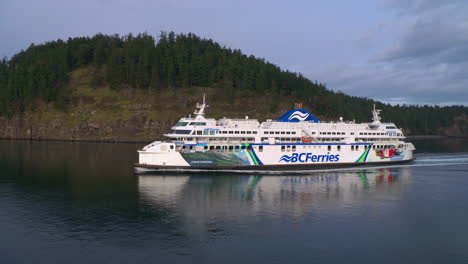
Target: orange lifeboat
[(306, 140)]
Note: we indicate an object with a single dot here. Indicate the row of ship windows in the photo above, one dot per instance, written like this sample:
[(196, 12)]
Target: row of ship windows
[(279, 132), (214, 132), (374, 139), (191, 124), (265, 139), (221, 148), (285, 148), (338, 147), (378, 134), (333, 133), (209, 132), (214, 139)]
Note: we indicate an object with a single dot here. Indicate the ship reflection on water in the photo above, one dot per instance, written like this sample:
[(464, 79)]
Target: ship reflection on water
[(201, 200)]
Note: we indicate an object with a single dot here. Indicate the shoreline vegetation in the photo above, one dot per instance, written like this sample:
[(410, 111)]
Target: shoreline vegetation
[(134, 88)]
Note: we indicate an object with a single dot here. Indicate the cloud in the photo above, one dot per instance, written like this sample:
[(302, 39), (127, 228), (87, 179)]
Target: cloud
[(412, 7), (426, 65), (439, 36)]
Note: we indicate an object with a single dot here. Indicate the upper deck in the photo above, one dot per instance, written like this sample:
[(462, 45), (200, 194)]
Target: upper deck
[(297, 126)]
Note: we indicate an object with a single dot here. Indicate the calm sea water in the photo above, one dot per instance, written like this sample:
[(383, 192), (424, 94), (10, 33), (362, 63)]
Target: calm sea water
[(81, 203)]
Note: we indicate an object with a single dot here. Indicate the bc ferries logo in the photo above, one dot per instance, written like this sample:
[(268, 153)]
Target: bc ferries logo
[(299, 116), (309, 157)]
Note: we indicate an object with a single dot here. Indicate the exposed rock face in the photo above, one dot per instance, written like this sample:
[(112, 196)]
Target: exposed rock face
[(136, 129)]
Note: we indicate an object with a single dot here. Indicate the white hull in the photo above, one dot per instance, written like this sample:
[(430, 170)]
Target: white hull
[(296, 141), (278, 157)]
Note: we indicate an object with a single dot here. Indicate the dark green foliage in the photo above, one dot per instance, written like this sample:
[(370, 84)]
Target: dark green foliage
[(185, 60)]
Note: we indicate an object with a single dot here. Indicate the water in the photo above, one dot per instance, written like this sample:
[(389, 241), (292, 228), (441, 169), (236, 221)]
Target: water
[(81, 203)]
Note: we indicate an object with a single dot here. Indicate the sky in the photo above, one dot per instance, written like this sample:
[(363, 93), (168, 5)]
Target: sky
[(396, 51)]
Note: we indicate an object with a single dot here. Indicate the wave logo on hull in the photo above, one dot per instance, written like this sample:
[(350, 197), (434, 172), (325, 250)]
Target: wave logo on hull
[(299, 116), (285, 158), (309, 157)]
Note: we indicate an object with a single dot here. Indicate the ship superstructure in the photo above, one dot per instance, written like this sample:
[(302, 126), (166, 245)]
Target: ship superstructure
[(297, 140)]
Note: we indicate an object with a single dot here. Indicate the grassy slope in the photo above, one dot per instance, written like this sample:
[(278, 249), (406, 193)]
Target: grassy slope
[(99, 113)]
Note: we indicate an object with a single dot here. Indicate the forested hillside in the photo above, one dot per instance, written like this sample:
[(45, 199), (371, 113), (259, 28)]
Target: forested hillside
[(181, 64)]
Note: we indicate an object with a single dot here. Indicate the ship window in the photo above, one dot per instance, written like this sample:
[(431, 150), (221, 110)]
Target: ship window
[(352, 133), (352, 147), (211, 147), (237, 148), (231, 132), (338, 148), (199, 132), (294, 132), (333, 133), (249, 148), (172, 146), (277, 132), (183, 132), (201, 124), (289, 132), (329, 148), (231, 148), (243, 147), (328, 133), (205, 147), (357, 147), (293, 148), (218, 147), (236, 132), (249, 132), (182, 124), (260, 148), (212, 132), (282, 132), (282, 148)]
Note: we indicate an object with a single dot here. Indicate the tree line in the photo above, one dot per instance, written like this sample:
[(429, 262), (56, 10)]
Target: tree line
[(182, 60)]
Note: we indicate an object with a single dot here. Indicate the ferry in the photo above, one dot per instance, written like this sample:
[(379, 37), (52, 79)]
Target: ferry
[(295, 141)]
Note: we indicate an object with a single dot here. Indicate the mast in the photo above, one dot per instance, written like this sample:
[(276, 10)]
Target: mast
[(375, 117), (200, 113)]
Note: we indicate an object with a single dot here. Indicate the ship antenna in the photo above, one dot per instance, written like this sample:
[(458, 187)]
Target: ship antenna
[(201, 108), (376, 116)]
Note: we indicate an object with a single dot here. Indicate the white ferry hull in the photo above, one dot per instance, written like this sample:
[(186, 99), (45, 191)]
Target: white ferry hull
[(295, 141), (272, 157)]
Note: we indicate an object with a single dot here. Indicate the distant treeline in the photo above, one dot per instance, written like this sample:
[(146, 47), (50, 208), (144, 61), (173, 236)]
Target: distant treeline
[(184, 60)]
